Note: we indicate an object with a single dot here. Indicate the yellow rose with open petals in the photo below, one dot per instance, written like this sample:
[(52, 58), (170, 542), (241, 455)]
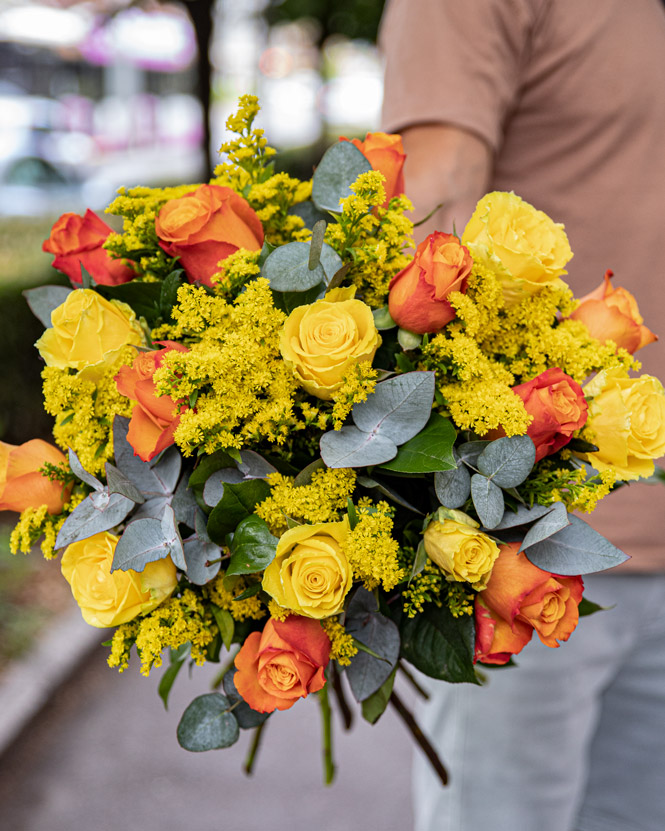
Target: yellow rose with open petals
[(521, 244), (88, 333), (322, 341), (310, 574), (627, 422), (462, 552), (110, 598)]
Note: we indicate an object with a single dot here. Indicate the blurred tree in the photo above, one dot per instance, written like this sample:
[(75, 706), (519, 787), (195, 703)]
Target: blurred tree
[(352, 18)]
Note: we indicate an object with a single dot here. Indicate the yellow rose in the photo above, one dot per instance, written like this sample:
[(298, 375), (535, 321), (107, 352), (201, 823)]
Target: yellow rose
[(110, 598), (310, 574), (463, 553), (324, 340), (521, 244), (627, 422), (88, 333)]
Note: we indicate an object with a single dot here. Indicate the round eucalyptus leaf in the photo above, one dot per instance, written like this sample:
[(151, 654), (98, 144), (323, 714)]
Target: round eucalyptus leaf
[(453, 486), (207, 724), (287, 268), (337, 171), (487, 500), (508, 461)]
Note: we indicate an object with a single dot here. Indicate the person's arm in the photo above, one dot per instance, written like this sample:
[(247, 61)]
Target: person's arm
[(445, 165)]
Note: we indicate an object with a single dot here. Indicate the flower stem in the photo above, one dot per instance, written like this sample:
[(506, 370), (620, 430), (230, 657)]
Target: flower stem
[(253, 750), (422, 740), (410, 677), (326, 720), (344, 709)]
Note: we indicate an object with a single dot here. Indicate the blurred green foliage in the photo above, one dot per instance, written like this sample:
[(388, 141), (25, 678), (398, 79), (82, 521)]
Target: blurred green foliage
[(351, 18)]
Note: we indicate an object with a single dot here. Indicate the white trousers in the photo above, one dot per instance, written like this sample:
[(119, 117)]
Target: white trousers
[(573, 739)]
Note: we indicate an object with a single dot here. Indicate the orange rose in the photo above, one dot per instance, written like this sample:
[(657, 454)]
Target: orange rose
[(22, 485), (557, 405), (384, 151), (205, 227), (520, 599), (77, 241), (612, 314), (283, 663), (154, 417), (417, 299)]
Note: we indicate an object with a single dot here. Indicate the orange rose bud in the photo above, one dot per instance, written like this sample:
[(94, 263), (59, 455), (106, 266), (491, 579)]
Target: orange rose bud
[(22, 485), (154, 417), (205, 227), (77, 241), (417, 299), (520, 599), (557, 405), (612, 314), (384, 151), (283, 663)]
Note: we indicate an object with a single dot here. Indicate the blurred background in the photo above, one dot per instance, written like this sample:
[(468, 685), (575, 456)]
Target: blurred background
[(95, 95), (104, 93)]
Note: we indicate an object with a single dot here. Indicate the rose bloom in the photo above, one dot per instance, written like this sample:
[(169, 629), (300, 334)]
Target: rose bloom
[(154, 417), (384, 151), (520, 599), (109, 598), (462, 552), (324, 340), (612, 314), (310, 574), (77, 241), (22, 485), (205, 227), (283, 663), (558, 407), (417, 299), (626, 422), (523, 245), (88, 333)]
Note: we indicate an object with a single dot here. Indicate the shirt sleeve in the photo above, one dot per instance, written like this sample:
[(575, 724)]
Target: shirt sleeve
[(454, 62)]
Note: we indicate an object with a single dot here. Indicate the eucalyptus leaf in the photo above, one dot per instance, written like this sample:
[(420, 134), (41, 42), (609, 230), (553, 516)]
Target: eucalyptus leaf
[(366, 673), (453, 486), (487, 500), (316, 243), (152, 508), (253, 547), (287, 268), (287, 301), (351, 447), (305, 475), (373, 484), (206, 467), (118, 483), (79, 471), (382, 319), (470, 451), (576, 549), (508, 460), (553, 521), (522, 516), (197, 554), (254, 466), (167, 469), (184, 503), (207, 724), (44, 300), (331, 261), (246, 717), (142, 542), (440, 645), (336, 172), (98, 512), (399, 407), (309, 213), (428, 452)]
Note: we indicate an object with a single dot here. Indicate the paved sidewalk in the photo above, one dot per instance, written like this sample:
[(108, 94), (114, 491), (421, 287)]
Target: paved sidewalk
[(103, 756)]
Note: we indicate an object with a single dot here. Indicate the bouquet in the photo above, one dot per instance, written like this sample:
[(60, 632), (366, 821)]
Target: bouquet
[(291, 443)]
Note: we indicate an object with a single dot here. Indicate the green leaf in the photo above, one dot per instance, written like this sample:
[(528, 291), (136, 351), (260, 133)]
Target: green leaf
[(253, 546), (453, 486), (337, 171), (370, 668), (305, 475), (428, 452), (225, 624), (245, 716), (287, 268), (207, 466), (508, 461), (382, 319), (287, 301), (351, 511), (144, 541), (408, 340), (207, 724), (178, 658), (588, 607), (144, 298), (117, 482), (237, 503), (440, 645), (553, 521), (316, 244), (374, 706), (419, 561), (168, 295)]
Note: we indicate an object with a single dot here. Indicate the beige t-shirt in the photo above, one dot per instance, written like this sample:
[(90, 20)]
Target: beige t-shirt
[(570, 96)]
